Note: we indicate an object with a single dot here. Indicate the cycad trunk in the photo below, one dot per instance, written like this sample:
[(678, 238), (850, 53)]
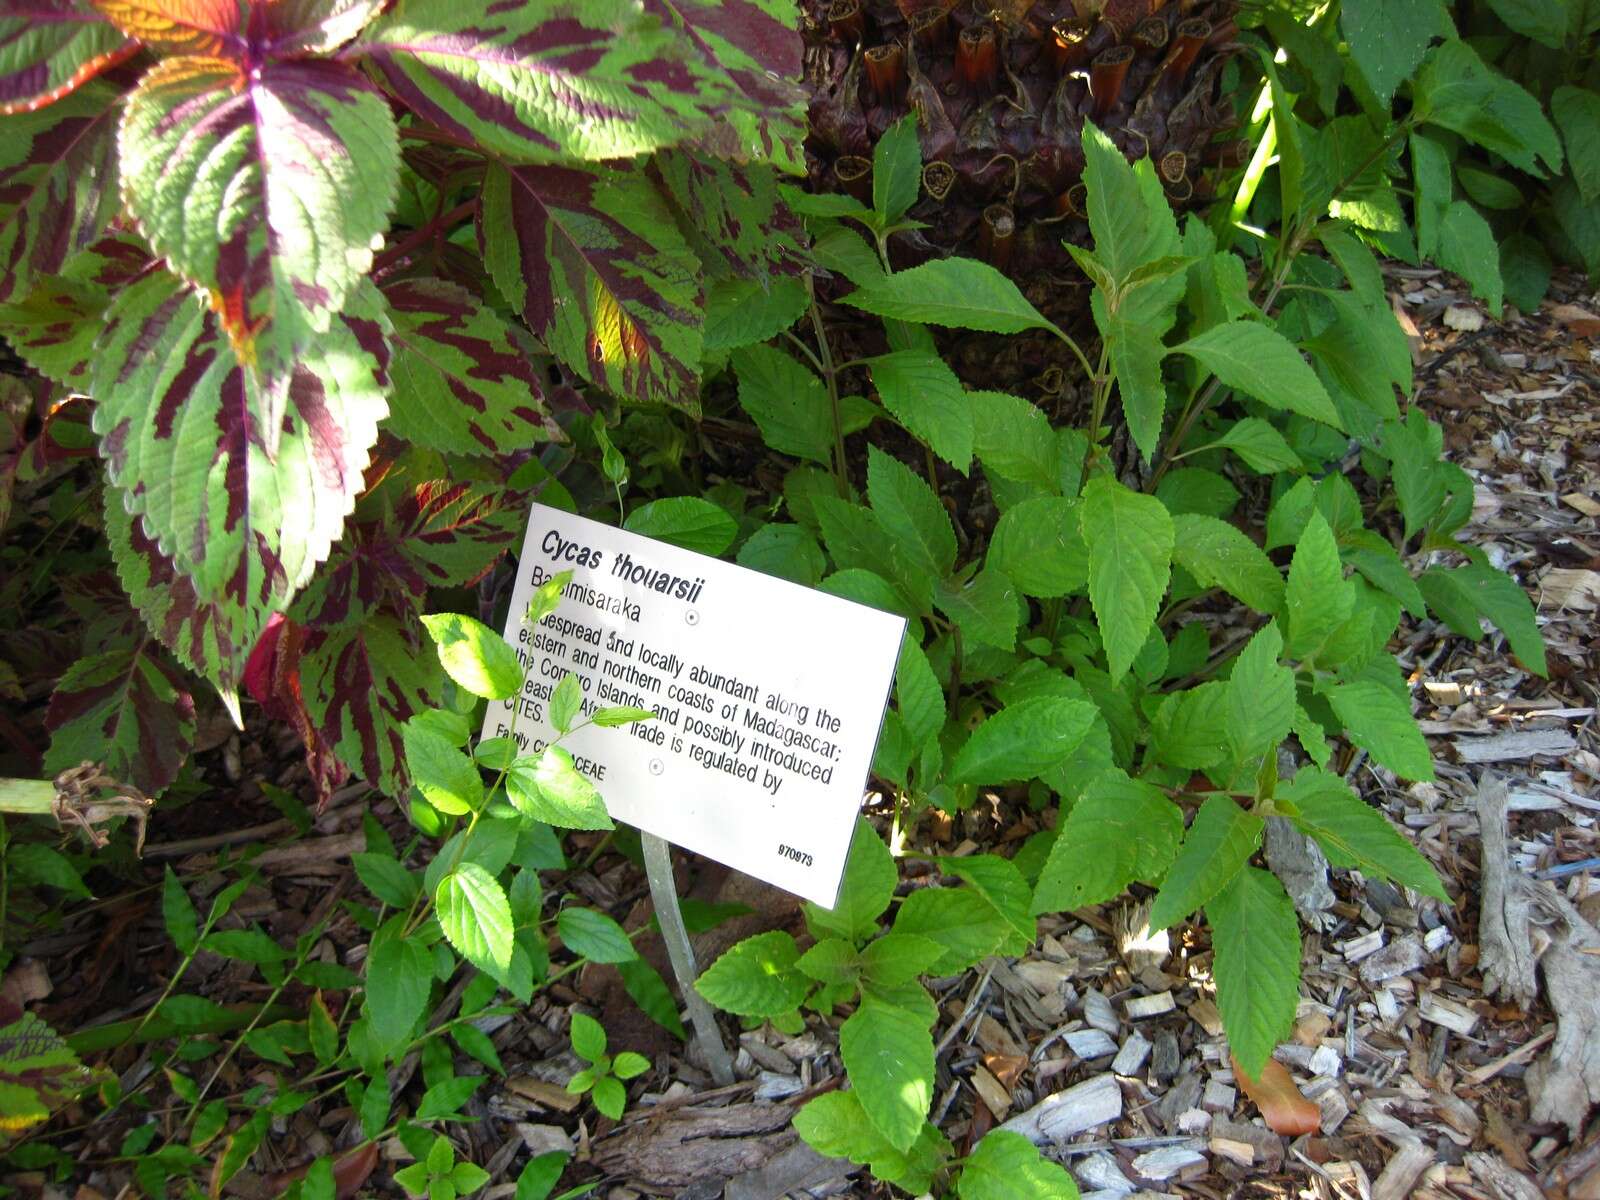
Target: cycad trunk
[(1002, 89)]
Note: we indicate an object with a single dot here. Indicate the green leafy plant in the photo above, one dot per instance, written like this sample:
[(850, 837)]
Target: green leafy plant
[(1065, 646), (439, 1176), (604, 1076)]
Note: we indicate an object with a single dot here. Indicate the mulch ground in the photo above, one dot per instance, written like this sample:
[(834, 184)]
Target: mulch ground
[(1103, 1041)]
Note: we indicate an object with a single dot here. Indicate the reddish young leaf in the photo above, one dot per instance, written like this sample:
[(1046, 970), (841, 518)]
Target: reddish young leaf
[(594, 261), (50, 47), (179, 26), (129, 709), (272, 677), (1284, 1108), (58, 185)]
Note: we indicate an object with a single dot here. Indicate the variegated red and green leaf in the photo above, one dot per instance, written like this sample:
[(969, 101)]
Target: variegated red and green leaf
[(212, 637), (267, 189), (733, 216), (594, 261), (404, 540), (465, 381), (272, 677), (129, 709), (295, 27), (361, 683), (755, 45), (209, 27), (544, 80), (58, 185), (38, 1070), (50, 47), (183, 430), (54, 327)]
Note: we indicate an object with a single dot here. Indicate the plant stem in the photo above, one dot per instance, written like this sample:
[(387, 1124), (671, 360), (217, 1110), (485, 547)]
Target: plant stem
[(830, 378), (421, 236)]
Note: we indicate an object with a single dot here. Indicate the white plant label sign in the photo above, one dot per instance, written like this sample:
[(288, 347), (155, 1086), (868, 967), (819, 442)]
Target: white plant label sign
[(769, 696)]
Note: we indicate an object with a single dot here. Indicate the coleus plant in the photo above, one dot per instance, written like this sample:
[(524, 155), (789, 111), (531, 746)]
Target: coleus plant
[(308, 418)]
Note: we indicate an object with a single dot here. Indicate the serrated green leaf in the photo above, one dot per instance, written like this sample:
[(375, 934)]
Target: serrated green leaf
[(1259, 361), (1217, 554), (898, 957), (910, 513), (966, 925), (1456, 90), (757, 977), (1007, 1165), (1186, 732), (1261, 446), (999, 882), (786, 401), (1354, 834), (961, 293), (746, 312), (870, 878), (1130, 538), (1381, 724), (475, 656), (1468, 247), (1039, 545), (1120, 830), (1317, 599), (1022, 740), (588, 1037), (889, 1055), (476, 917), (1012, 438), (832, 961), (896, 170), (688, 521), (594, 935), (917, 694), (177, 912), (923, 394), (985, 608), (1388, 41), (1261, 697), (835, 1125), (445, 776), (386, 879), (1577, 115), (1256, 938), (399, 978), (1219, 842)]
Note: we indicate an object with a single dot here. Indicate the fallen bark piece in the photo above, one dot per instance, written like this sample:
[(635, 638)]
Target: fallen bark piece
[(1565, 1083), (1516, 745), (1457, 1018), (1283, 1106), (1302, 868), (1402, 1171), (1399, 957), (1505, 948), (1140, 1007), (1057, 1117), (1501, 1179), (1571, 588), (675, 1149), (1163, 1164), (1133, 1054), (793, 1170), (1090, 1043)]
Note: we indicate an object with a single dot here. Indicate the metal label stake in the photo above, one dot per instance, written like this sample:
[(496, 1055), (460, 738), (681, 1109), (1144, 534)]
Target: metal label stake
[(664, 896)]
